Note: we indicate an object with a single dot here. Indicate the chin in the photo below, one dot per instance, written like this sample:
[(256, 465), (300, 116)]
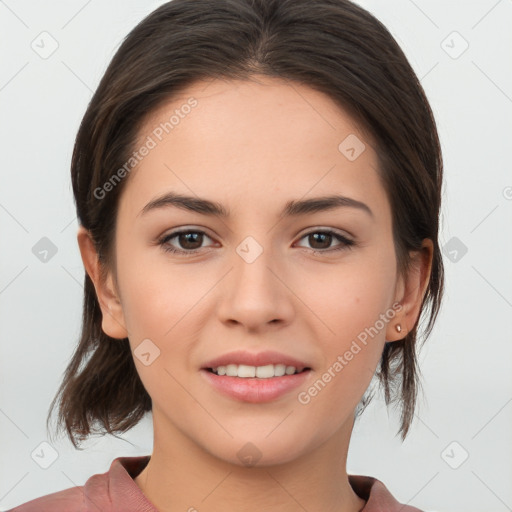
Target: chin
[(257, 451)]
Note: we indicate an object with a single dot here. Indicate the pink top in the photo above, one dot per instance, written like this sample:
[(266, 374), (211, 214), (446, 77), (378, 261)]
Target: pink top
[(116, 491)]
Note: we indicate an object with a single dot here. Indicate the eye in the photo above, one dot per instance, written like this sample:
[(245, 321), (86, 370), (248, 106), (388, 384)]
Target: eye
[(190, 241), (322, 239)]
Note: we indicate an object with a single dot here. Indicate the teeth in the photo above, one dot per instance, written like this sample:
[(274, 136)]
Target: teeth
[(261, 372)]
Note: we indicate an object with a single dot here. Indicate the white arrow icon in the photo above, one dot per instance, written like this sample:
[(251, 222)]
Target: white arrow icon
[(453, 253)]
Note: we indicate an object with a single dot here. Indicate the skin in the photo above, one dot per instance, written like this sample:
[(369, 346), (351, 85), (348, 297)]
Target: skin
[(253, 146)]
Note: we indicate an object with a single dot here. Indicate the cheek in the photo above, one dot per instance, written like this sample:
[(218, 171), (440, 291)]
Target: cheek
[(157, 294), (349, 296), (159, 306), (351, 310), (164, 303)]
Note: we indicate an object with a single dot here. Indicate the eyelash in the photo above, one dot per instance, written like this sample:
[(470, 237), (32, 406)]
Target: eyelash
[(164, 241)]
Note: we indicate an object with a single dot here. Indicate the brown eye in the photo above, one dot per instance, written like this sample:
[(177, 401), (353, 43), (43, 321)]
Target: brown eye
[(188, 242), (322, 240)]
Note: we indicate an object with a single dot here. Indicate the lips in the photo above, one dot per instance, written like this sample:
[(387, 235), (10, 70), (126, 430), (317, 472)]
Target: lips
[(255, 389), (255, 359)]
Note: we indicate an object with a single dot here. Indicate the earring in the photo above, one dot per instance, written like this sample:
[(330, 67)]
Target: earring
[(398, 327)]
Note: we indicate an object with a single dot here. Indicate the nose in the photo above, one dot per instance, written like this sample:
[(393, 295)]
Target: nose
[(255, 294)]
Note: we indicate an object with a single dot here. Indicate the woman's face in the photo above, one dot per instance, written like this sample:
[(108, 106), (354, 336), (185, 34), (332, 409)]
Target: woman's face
[(260, 278)]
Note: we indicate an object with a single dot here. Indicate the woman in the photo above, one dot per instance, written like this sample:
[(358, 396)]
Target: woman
[(258, 186)]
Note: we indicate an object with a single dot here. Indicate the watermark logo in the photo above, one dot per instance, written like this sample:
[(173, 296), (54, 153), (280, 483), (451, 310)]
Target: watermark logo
[(45, 45), (146, 352), (455, 249), (44, 250), (351, 147), (454, 455), (44, 455), (249, 249), (249, 454), (454, 45)]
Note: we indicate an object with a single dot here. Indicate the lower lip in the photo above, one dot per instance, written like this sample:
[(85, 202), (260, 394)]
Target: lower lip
[(253, 389)]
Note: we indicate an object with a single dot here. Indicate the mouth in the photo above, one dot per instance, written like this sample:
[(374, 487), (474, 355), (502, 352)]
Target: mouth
[(268, 371), (256, 377), (256, 384)]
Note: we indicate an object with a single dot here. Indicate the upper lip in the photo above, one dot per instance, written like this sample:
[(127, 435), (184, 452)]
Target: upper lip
[(255, 359)]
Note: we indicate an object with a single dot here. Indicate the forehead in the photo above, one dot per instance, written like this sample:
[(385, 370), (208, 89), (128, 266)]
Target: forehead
[(232, 140), (251, 112)]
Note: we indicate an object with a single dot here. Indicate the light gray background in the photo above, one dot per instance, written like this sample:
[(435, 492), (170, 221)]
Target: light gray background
[(466, 363)]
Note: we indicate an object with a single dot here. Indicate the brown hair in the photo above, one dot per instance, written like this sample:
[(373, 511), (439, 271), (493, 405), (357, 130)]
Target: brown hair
[(333, 46)]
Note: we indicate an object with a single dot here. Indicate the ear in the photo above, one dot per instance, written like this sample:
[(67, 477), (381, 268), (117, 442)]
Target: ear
[(113, 323), (410, 291)]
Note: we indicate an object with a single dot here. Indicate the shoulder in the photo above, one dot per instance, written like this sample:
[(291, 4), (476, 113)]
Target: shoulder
[(113, 490), (378, 497), (68, 500)]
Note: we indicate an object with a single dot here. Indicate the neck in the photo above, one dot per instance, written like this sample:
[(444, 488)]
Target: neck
[(183, 476)]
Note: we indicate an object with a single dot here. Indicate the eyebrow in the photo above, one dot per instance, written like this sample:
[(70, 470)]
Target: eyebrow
[(291, 209)]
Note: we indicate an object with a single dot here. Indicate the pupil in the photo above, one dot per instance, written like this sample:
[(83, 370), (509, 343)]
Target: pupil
[(189, 238), (317, 235)]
